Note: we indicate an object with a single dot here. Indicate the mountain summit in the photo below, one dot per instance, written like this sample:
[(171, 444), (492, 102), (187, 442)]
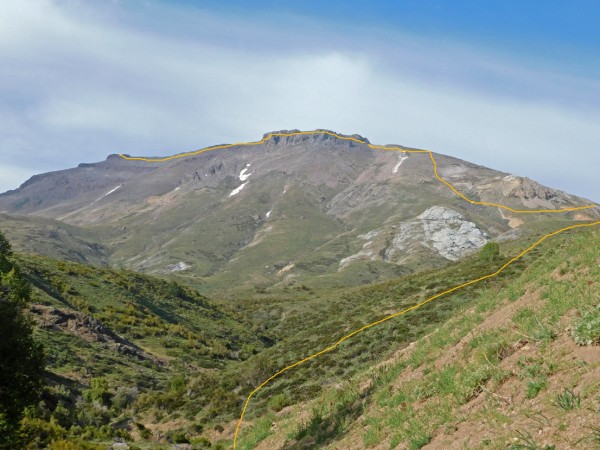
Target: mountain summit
[(296, 205)]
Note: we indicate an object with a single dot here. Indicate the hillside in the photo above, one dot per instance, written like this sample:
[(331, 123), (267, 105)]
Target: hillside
[(516, 367), (167, 292), (132, 338), (171, 365), (297, 207)]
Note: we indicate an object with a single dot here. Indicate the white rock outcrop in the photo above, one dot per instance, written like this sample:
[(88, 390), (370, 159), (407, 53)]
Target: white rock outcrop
[(449, 233)]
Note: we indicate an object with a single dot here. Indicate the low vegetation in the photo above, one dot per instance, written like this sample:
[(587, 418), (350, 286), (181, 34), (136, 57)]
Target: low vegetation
[(503, 372), (151, 362)]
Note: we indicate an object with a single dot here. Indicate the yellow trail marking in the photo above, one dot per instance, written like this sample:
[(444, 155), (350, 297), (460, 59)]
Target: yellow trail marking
[(391, 316), (372, 146)]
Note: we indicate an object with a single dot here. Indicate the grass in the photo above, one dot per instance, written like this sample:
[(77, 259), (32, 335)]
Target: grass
[(215, 351), (586, 331), (568, 400), (526, 442), (411, 413)]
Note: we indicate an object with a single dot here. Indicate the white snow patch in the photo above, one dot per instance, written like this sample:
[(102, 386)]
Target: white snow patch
[(243, 175), (268, 214), (401, 159), (108, 193), (177, 188), (238, 189), (177, 267)]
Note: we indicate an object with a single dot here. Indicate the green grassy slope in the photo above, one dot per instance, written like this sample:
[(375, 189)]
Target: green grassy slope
[(166, 335), (199, 358), (505, 371)]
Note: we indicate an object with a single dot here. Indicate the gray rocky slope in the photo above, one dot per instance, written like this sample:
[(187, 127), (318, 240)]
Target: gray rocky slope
[(289, 208)]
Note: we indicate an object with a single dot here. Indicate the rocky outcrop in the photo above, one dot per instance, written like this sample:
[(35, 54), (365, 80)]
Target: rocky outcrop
[(528, 190), (449, 233), (86, 328), (316, 137), (439, 229)]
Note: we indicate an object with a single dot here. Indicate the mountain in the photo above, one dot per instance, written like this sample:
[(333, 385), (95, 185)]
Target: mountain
[(167, 291), (297, 207)]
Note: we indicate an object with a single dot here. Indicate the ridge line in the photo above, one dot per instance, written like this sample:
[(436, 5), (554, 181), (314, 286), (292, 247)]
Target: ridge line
[(372, 146)]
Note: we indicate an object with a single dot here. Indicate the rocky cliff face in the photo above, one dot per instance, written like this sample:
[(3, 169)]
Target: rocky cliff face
[(306, 201)]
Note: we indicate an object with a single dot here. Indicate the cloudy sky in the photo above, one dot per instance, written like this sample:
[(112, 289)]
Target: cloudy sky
[(513, 87)]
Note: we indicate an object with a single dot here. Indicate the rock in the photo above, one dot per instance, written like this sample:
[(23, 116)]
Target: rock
[(449, 233), (86, 328)]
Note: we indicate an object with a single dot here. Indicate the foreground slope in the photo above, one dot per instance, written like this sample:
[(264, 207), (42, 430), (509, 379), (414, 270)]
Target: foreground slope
[(518, 367), (302, 207), (136, 357)]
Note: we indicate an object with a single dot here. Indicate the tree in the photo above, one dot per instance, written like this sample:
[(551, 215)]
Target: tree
[(21, 357), (490, 252)]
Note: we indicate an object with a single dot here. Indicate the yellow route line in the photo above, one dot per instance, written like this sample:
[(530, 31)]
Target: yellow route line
[(372, 146), (391, 316)]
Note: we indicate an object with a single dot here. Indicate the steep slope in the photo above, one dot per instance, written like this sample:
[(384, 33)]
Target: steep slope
[(516, 368), (121, 347), (291, 208), (162, 317), (58, 240)]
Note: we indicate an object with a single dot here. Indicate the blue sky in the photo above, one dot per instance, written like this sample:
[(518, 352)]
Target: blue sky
[(514, 85)]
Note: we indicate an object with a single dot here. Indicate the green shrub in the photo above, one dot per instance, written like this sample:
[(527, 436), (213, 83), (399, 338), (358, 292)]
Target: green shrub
[(178, 437), (586, 331), (98, 391), (489, 252), (278, 402), (568, 400)]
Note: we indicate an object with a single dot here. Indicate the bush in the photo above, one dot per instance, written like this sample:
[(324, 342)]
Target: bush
[(278, 402), (98, 391), (489, 252), (178, 437)]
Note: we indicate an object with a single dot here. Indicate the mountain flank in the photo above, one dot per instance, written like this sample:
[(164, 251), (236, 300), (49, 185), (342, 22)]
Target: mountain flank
[(165, 293), (304, 203)]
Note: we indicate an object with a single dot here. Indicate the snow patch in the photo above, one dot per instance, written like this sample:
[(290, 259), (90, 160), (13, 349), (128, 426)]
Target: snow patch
[(238, 189), (177, 267), (243, 175), (401, 159), (268, 214), (108, 193), (177, 188)]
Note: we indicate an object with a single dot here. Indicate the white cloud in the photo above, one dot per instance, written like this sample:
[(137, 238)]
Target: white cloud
[(79, 81)]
